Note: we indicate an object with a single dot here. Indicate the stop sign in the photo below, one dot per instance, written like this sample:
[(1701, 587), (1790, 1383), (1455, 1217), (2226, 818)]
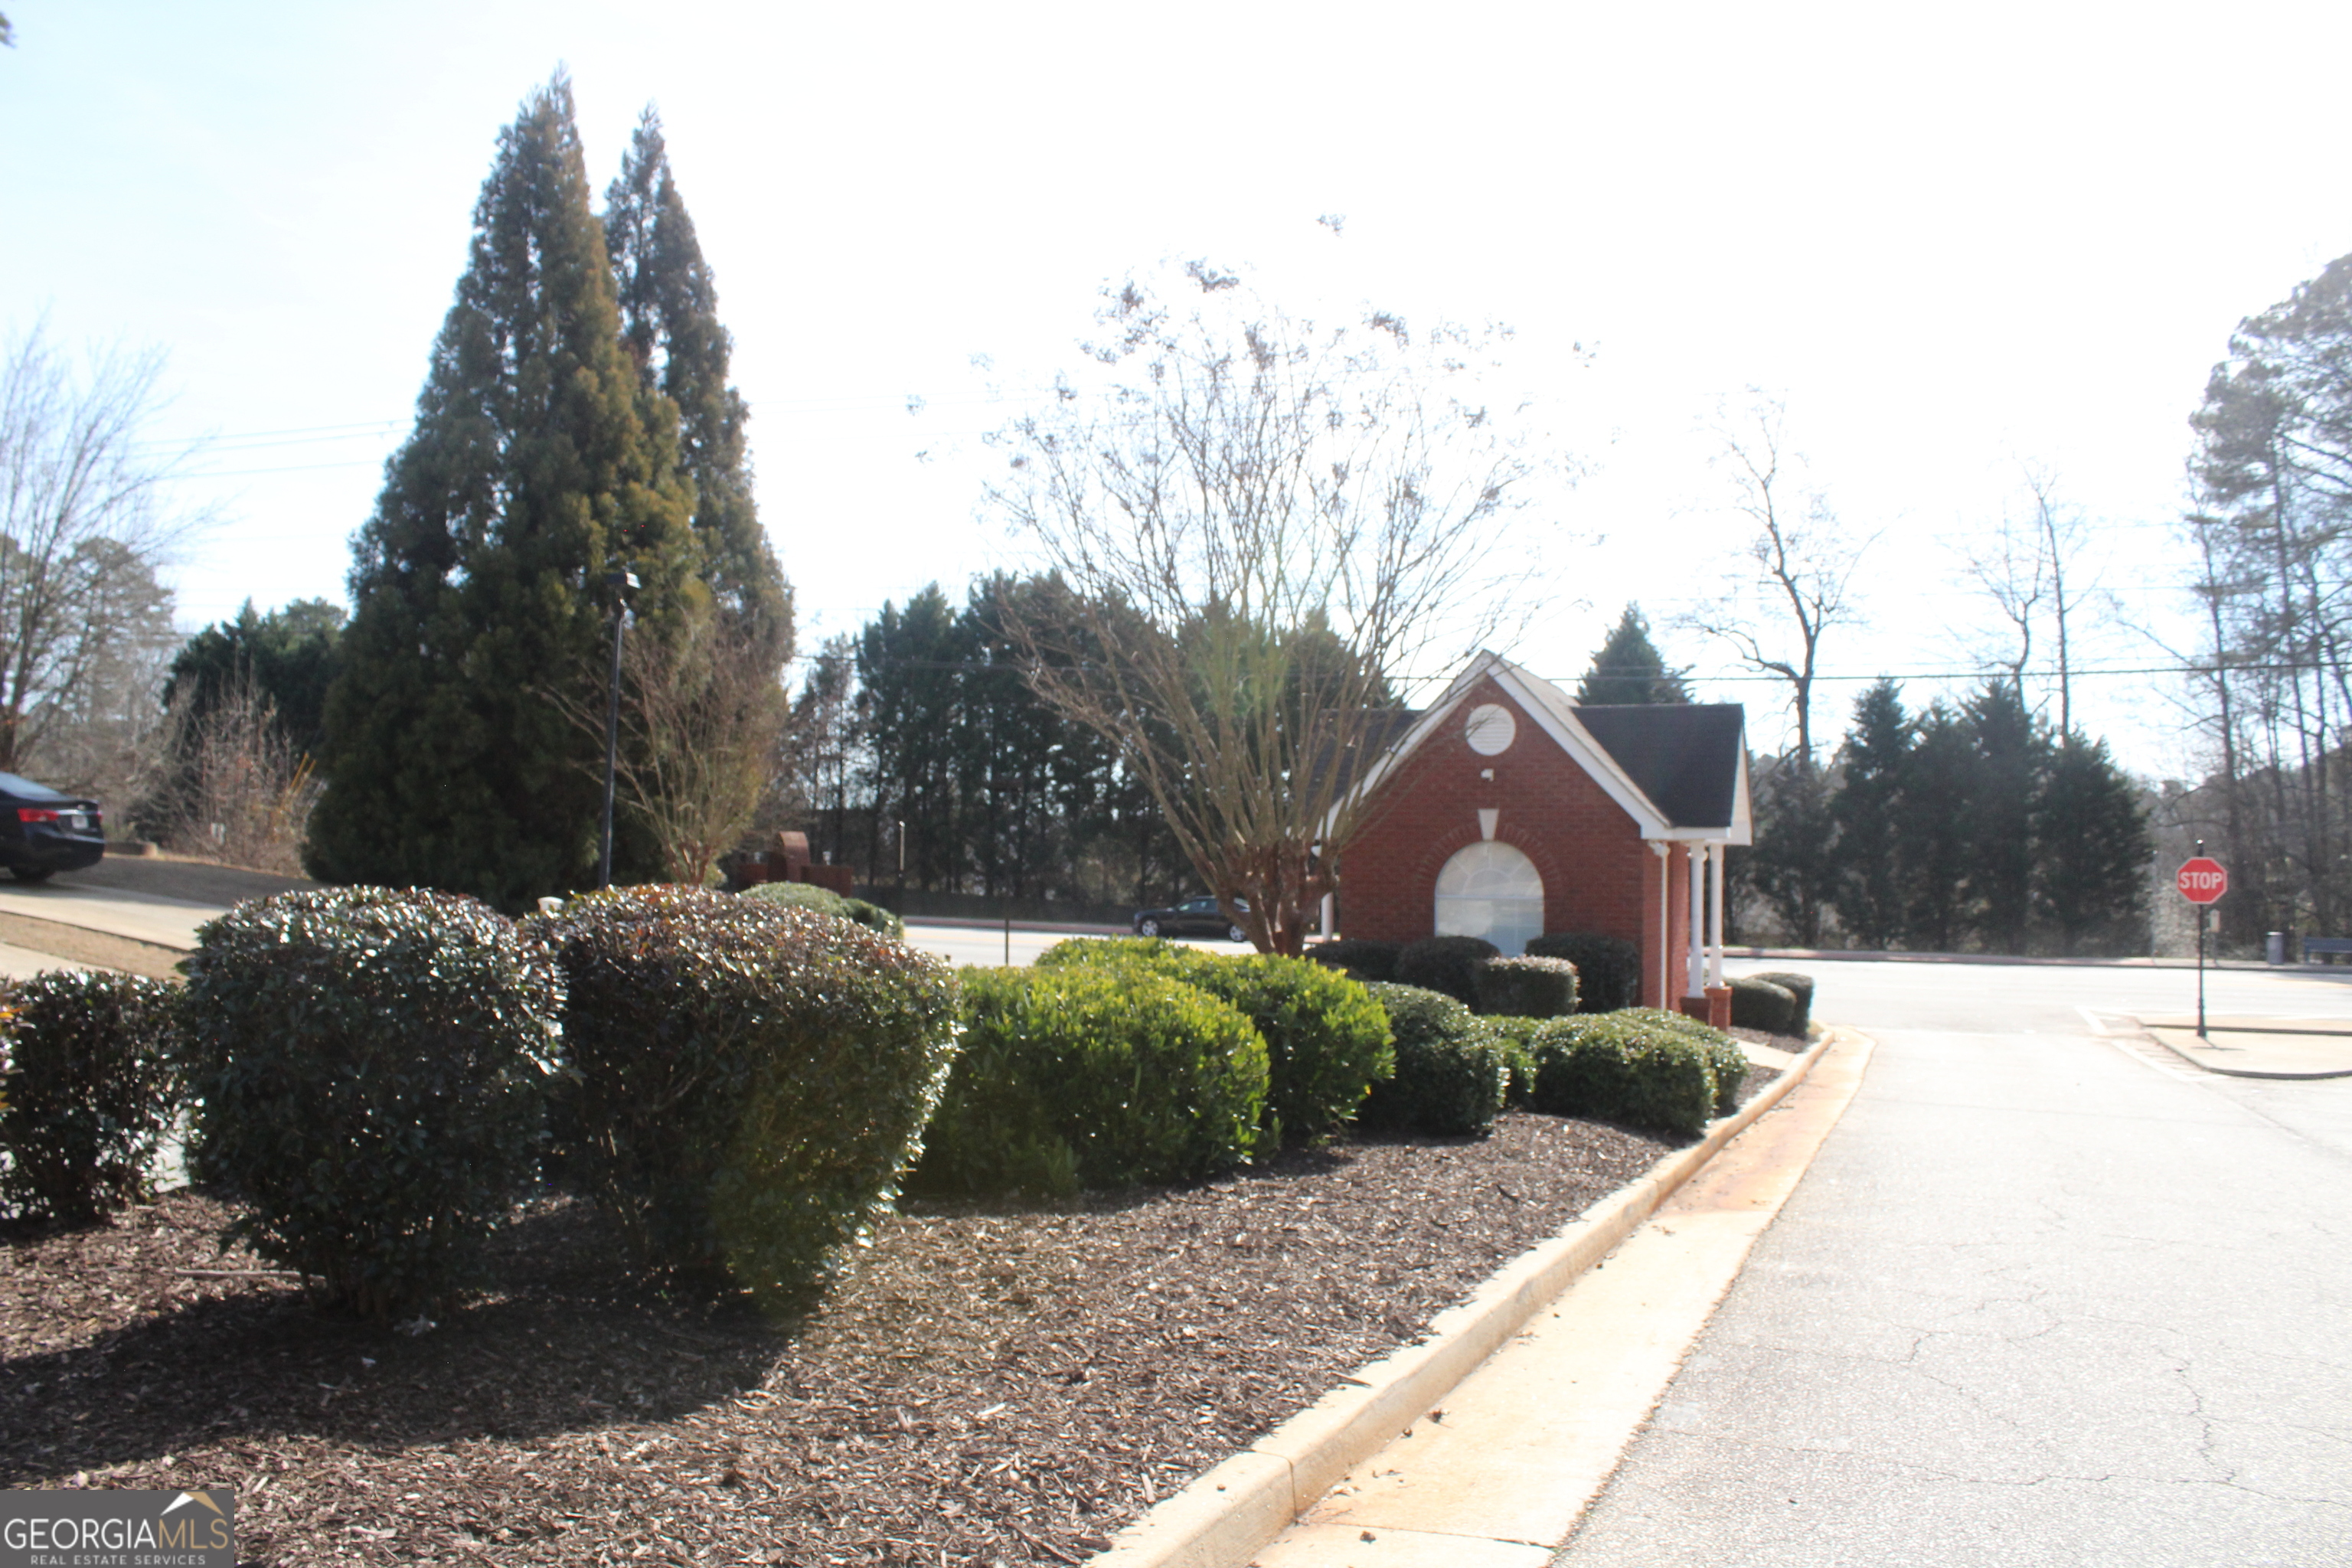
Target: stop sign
[(2202, 882)]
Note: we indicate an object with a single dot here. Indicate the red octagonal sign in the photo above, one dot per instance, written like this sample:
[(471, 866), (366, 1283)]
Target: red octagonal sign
[(2202, 882)]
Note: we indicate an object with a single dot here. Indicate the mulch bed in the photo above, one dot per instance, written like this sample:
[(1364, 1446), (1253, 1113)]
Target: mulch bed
[(987, 1385)]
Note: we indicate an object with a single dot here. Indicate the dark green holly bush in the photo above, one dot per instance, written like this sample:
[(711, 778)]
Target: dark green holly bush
[(1445, 964), (89, 1084), (750, 1080), (1451, 1067), (1800, 986), (1757, 1004), (1528, 987), (370, 1071), (1360, 956), (1640, 1066), (825, 901), (1608, 968), (1080, 1076)]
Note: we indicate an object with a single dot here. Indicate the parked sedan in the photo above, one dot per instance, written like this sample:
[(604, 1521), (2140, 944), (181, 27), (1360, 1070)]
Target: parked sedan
[(42, 832), (1193, 917)]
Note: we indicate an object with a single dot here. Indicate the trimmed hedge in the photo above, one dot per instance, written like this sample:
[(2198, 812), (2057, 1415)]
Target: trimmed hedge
[(1757, 1004), (1327, 1040), (1078, 1076), (1608, 968), (1451, 1067), (751, 1080), (1800, 986), (1361, 957), (91, 1083), (1725, 1058), (825, 901), (1528, 987), (1625, 1068), (370, 1068), (1448, 964)]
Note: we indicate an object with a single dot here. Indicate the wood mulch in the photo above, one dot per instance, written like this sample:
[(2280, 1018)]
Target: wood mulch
[(987, 1384)]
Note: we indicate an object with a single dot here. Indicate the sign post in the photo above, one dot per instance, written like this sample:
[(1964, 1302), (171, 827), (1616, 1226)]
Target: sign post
[(2202, 882)]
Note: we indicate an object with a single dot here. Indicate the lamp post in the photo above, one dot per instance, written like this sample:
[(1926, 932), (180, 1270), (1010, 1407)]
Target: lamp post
[(619, 583)]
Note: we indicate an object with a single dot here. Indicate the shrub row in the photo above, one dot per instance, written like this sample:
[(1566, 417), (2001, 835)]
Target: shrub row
[(1607, 970), (1639, 1065), (825, 901)]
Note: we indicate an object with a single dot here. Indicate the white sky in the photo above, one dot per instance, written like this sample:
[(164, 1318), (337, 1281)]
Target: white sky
[(1953, 239)]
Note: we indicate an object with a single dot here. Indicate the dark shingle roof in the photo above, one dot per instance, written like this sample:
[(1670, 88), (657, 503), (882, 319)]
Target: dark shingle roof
[(1684, 756)]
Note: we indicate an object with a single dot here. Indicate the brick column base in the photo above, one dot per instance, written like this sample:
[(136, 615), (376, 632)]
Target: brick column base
[(1695, 1007), (1718, 1007)]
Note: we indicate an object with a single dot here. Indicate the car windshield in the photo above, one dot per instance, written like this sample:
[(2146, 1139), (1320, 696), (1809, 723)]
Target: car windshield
[(12, 785)]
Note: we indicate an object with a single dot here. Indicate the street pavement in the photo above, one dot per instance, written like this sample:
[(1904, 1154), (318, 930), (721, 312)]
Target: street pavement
[(2043, 1296)]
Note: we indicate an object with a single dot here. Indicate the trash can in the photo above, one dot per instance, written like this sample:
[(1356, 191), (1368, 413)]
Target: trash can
[(2274, 947)]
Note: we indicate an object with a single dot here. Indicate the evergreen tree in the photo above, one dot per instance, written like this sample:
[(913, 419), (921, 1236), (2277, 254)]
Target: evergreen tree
[(540, 464), (1868, 815), (669, 321), (287, 655), (2008, 751), (1792, 867), (1933, 795), (2091, 851), (1628, 668), (910, 706)]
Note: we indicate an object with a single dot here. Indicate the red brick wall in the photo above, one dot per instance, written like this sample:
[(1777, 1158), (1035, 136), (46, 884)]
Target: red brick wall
[(1597, 873)]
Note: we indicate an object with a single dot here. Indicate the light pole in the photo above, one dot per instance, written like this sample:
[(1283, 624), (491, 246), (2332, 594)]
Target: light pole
[(619, 583)]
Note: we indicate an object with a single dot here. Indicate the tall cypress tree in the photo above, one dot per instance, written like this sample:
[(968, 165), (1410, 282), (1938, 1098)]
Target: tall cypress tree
[(539, 462), (2010, 749), (669, 320), (1628, 668), (1867, 814)]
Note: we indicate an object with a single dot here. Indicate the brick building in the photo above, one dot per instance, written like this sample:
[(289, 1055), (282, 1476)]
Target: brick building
[(1504, 810)]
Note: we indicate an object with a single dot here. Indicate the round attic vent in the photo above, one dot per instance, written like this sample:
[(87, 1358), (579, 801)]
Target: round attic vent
[(1491, 730)]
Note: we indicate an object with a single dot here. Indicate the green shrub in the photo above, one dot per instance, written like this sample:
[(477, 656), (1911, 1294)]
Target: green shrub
[(1608, 968), (1800, 986), (1759, 1004), (1447, 964), (1513, 1034), (1451, 1069), (1624, 1066), (1525, 987), (92, 1084), (1725, 1058), (825, 901), (1360, 956), (370, 1069), (1078, 1076), (751, 1080), (1327, 1040)]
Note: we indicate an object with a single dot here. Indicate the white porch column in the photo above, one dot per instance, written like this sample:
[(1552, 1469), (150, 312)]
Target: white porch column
[(1695, 852), (1665, 852), (1714, 918)]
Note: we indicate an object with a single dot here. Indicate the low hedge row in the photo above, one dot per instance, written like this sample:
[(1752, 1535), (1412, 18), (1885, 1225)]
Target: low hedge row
[(825, 901)]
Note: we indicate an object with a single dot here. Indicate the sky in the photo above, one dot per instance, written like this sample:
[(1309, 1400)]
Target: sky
[(1956, 244)]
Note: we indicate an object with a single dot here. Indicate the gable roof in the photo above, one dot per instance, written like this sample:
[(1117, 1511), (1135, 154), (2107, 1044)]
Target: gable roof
[(1679, 771)]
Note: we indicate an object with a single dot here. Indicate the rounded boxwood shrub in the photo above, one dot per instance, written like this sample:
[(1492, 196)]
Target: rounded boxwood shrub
[(1800, 986), (1451, 1069), (1528, 987), (1448, 964), (1360, 956), (1513, 1034), (750, 1080), (825, 901), (1757, 1004), (1608, 968), (1725, 1058), (1626, 1068), (1327, 1040), (89, 1084), (1084, 1077), (369, 1069)]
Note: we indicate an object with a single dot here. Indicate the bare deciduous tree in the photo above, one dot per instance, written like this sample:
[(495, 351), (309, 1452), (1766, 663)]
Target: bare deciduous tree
[(1261, 522), (84, 521), (2028, 569), (238, 791)]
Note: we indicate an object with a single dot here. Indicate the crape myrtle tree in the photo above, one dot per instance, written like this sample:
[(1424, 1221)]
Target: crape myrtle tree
[(1258, 518), (1627, 669), (540, 461)]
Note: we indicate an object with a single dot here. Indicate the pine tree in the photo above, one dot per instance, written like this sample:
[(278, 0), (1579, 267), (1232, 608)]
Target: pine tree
[(1932, 798), (669, 320), (1628, 668), (2009, 750), (1867, 814), (540, 463), (2091, 851)]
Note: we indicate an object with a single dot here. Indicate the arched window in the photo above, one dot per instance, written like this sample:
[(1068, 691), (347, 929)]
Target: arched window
[(1490, 890)]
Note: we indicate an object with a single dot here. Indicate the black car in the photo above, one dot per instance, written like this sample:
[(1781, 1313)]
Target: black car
[(1193, 917), (43, 832)]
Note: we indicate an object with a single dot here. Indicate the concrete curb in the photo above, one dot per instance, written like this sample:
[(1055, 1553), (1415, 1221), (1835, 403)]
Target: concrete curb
[(1223, 1517), (2154, 1038)]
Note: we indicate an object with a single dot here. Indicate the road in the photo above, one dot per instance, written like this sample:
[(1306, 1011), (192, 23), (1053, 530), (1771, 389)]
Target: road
[(2043, 1297)]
